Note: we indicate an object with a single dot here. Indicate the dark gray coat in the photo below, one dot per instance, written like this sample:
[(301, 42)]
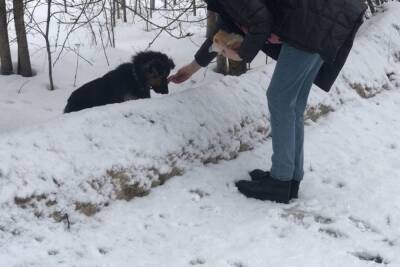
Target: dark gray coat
[(327, 27)]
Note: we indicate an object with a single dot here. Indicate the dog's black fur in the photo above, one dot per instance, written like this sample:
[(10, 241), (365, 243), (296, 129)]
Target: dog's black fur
[(148, 70)]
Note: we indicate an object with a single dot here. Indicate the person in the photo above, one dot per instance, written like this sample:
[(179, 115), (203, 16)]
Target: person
[(311, 41)]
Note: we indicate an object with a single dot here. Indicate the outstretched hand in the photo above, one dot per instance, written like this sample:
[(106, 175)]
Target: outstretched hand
[(274, 39), (184, 73)]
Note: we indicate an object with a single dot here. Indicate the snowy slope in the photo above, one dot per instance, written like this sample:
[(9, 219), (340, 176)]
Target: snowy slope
[(112, 152), (349, 205), (120, 151), (84, 162)]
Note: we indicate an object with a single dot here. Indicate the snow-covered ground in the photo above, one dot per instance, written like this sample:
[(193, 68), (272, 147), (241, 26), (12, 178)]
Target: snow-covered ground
[(347, 215), (349, 205)]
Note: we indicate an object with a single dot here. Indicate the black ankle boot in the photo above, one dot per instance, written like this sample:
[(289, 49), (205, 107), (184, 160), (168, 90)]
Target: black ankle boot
[(294, 191), (258, 175), (266, 189)]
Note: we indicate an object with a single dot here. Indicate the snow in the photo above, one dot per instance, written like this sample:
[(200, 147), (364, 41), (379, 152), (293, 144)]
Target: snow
[(200, 217), (51, 163)]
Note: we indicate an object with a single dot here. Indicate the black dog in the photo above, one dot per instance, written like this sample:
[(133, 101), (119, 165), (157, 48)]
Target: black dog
[(129, 81)]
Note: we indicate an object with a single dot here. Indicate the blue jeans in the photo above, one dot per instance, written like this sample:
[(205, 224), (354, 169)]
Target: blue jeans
[(287, 95)]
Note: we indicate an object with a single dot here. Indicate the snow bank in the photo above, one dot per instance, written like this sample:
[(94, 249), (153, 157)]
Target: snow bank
[(373, 64), (81, 162)]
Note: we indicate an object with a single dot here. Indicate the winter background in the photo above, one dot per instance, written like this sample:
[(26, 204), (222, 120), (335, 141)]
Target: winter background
[(151, 182)]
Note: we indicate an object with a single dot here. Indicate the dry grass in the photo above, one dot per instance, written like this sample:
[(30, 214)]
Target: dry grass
[(314, 113)]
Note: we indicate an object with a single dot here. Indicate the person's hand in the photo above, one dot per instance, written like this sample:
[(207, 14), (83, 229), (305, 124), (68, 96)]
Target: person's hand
[(231, 54), (184, 73), (274, 39)]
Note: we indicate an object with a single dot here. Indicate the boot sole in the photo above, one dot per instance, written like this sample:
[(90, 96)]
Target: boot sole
[(264, 198)]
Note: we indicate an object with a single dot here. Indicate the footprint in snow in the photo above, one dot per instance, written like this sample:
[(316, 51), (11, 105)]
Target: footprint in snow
[(52, 252), (362, 225), (237, 264), (197, 261), (326, 181), (340, 185), (322, 219), (393, 146), (305, 217), (39, 239), (373, 257), (198, 194), (389, 242), (335, 233), (104, 251), (388, 218)]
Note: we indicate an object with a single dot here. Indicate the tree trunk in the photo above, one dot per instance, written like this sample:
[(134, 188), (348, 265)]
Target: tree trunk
[(136, 7), (113, 23), (117, 4), (124, 10), (152, 7), (5, 54), (237, 68), (24, 62), (222, 66), (48, 48)]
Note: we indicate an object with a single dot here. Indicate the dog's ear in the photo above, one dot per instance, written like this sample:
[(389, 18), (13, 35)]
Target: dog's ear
[(171, 64)]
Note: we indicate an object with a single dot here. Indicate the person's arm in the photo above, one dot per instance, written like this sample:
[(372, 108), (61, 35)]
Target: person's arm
[(204, 56), (259, 25), (185, 72)]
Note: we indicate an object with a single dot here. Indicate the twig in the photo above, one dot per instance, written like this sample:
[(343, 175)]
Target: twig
[(22, 86), (66, 217), (77, 64)]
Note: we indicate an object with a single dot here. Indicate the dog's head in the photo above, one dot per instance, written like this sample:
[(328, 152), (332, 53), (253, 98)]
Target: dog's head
[(222, 40), (154, 68)]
